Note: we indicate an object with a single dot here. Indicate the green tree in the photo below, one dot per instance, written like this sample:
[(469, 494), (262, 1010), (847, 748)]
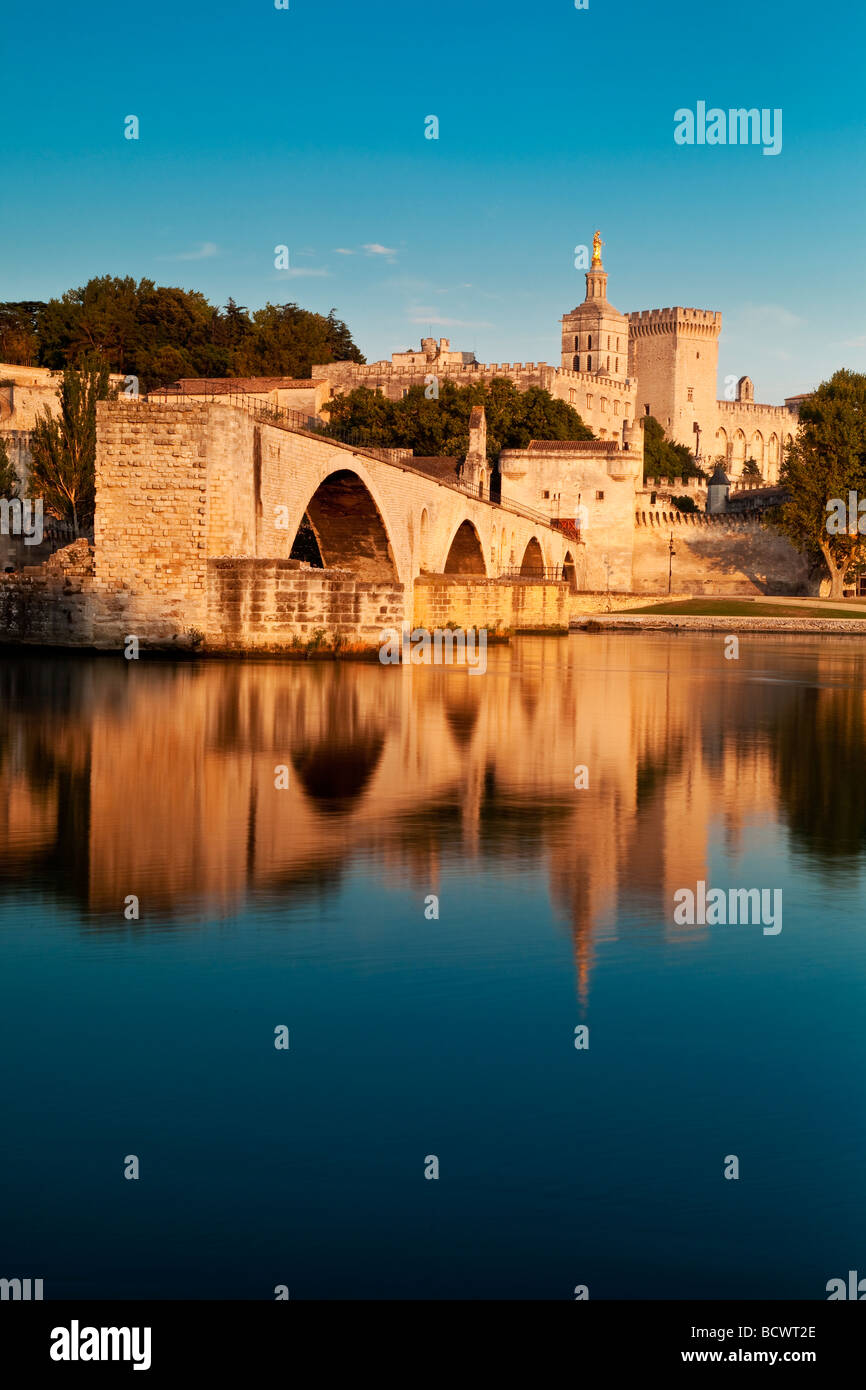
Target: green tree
[(63, 449), (8, 476), (752, 471), (440, 426), (160, 332), (19, 340), (661, 457), (827, 461)]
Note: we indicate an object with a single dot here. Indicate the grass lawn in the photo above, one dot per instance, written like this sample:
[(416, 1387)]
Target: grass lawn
[(731, 608)]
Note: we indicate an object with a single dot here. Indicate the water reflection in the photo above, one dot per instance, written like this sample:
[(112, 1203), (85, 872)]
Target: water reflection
[(159, 779)]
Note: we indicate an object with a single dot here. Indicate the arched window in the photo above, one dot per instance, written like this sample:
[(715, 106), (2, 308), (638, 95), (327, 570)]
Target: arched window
[(589, 341), (589, 362)]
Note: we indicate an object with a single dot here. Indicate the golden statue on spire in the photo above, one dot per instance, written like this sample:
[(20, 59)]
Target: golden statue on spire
[(597, 244)]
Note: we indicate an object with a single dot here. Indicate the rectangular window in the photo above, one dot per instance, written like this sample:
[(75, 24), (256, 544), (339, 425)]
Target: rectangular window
[(589, 402), (691, 393), (646, 410), (599, 497), (545, 494)]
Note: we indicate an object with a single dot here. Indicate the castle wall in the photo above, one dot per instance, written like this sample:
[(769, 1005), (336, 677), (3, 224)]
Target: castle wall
[(25, 392), (747, 429), (718, 556)]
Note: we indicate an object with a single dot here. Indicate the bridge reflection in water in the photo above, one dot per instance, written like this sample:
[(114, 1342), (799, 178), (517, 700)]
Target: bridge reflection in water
[(414, 1035), (159, 779)]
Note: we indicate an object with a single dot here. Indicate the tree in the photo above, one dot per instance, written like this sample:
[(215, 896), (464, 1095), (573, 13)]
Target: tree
[(8, 476), (752, 471), (826, 462), (161, 332), (661, 457), (63, 450), (439, 426), (19, 340)]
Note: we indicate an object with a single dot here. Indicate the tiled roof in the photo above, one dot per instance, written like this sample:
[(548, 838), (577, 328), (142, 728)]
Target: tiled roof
[(573, 446)]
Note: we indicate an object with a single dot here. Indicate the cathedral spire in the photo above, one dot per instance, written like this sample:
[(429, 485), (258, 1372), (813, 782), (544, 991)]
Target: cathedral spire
[(596, 276)]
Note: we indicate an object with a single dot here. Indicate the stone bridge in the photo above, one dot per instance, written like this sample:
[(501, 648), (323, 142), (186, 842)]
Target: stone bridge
[(203, 511)]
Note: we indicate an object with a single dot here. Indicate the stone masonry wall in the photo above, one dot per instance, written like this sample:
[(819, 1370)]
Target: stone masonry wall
[(484, 603), (716, 557), (50, 604), (264, 604), (150, 535)]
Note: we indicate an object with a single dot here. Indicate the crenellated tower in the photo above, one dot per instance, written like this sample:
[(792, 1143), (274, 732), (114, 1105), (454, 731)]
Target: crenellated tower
[(674, 357)]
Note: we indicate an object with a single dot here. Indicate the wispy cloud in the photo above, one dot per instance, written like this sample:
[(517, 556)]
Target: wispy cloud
[(303, 272), (343, 251), (774, 316), (204, 252), (374, 248), (435, 319)]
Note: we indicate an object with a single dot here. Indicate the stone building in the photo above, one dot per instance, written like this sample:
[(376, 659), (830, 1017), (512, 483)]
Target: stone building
[(674, 358), (615, 368)]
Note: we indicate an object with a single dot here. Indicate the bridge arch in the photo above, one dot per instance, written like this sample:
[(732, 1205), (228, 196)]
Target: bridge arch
[(465, 553), (349, 529), (568, 572), (533, 559)]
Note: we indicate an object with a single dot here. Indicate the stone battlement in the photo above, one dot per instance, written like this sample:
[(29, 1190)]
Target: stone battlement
[(779, 412), (656, 518), (707, 322)]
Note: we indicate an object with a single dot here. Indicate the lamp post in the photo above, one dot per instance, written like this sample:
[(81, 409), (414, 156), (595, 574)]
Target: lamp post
[(671, 554)]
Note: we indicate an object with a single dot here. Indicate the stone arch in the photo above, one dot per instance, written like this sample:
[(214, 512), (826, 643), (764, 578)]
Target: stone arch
[(738, 454), (465, 555), (722, 442), (773, 448), (349, 529), (568, 572), (533, 559), (789, 440), (756, 448)]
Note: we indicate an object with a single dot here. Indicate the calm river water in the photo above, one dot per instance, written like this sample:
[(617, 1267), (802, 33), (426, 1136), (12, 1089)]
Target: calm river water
[(411, 1036)]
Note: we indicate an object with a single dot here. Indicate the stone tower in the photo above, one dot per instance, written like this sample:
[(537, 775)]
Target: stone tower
[(674, 357), (595, 334), (475, 470)]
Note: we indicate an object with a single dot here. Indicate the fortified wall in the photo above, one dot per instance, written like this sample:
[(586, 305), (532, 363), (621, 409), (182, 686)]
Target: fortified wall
[(718, 556)]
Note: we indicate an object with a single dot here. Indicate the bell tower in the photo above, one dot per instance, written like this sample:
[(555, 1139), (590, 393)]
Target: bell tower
[(595, 334)]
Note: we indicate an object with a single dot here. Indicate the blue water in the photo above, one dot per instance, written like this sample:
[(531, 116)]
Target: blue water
[(451, 1037)]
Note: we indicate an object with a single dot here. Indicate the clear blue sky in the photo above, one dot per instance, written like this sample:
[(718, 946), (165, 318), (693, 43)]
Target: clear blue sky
[(305, 127)]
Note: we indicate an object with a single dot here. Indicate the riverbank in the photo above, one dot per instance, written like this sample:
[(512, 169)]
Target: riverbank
[(661, 622)]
